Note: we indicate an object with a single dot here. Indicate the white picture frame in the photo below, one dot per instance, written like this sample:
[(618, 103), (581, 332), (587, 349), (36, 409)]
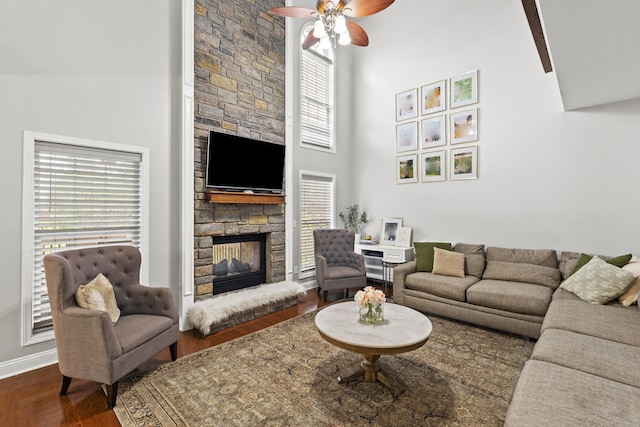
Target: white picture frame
[(464, 126), (407, 137), (407, 105), (403, 237), (463, 89), (433, 165), (433, 97), (434, 131), (407, 169), (463, 163), (389, 230)]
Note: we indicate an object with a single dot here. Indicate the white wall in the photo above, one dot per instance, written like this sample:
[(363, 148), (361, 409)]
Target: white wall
[(547, 178), (106, 71)]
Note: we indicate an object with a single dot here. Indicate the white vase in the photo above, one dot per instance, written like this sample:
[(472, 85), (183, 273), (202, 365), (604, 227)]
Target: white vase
[(358, 238)]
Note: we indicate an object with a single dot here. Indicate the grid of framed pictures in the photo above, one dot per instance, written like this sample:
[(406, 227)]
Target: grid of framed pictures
[(432, 145)]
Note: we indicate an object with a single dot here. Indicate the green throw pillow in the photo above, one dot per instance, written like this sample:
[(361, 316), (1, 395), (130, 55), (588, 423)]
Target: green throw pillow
[(618, 261), (424, 254)]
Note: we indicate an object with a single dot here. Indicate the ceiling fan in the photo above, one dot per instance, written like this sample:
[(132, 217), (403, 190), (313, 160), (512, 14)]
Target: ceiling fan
[(331, 20)]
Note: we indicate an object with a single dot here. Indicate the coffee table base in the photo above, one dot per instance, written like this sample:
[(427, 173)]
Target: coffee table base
[(371, 371)]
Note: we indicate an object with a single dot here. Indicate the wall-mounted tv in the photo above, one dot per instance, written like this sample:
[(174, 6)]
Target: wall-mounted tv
[(236, 163)]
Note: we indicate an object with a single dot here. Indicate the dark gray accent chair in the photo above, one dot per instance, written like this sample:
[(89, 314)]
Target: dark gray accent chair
[(337, 265), (90, 346)]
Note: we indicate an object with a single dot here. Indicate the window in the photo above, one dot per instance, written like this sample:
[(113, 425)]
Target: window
[(317, 96), (317, 210), (77, 194)]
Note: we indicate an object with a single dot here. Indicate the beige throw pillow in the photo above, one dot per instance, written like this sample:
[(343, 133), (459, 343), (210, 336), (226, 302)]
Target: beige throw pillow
[(447, 263), (98, 295), (631, 294)]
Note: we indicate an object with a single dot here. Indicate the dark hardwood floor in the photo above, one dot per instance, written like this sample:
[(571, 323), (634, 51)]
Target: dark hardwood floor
[(32, 399)]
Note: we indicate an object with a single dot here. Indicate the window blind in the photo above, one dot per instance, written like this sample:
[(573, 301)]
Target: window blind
[(316, 212), (82, 197), (317, 99)]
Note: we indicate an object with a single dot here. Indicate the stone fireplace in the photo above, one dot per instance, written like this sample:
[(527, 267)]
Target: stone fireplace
[(238, 262)]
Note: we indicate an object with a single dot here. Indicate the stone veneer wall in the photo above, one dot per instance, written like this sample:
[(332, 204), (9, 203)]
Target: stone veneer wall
[(239, 89)]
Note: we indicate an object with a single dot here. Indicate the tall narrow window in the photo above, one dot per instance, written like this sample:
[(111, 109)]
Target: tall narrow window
[(317, 96), (317, 210), (81, 196)]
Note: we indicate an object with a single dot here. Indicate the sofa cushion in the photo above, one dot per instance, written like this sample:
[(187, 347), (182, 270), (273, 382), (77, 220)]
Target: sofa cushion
[(612, 322), (516, 297), (593, 355), (521, 272), (598, 282), (631, 294), (545, 257), (443, 286), (424, 254), (618, 261), (552, 395), (568, 261), (474, 261), (448, 263)]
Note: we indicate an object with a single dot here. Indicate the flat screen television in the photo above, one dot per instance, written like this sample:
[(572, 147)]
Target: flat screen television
[(236, 163)]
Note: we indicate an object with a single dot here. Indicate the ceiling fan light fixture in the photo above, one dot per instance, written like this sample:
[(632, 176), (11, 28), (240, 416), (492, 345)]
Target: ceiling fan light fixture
[(344, 39), (318, 29), (325, 42), (340, 25)]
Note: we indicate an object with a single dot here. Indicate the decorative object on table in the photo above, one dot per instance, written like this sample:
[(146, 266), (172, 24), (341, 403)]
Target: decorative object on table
[(331, 23), (406, 169), (407, 137), (464, 126), (389, 230), (370, 303), (434, 166), (434, 131), (434, 97), (407, 105), (464, 163), (464, 89), (355, 220), (403, 237)]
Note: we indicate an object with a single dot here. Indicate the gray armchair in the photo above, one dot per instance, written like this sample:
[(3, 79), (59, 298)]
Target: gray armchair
[(90, 346), (337, 265)]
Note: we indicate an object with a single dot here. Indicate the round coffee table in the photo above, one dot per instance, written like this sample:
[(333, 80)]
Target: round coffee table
[(402, 330)]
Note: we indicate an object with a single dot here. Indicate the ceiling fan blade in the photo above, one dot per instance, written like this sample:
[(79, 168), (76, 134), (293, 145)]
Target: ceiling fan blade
[(310, 40), (321, 5), (358, 35), (358, 8), (293, 12)]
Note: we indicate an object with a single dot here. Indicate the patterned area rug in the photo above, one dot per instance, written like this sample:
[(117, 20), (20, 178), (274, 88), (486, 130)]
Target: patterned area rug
[(285, 375)]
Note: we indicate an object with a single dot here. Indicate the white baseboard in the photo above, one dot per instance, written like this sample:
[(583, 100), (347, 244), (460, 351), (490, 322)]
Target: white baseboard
[(24, 364)]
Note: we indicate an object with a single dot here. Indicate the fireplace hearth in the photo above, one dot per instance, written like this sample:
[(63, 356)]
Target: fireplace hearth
[(238, 262)]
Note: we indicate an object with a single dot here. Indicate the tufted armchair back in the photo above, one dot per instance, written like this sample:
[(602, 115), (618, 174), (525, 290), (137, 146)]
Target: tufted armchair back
[(335, 245)]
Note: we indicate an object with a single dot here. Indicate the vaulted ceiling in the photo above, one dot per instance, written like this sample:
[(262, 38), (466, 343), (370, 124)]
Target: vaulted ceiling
[(595, 49)]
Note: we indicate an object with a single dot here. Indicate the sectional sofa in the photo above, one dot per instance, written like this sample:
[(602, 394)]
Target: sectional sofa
[(584, 367)]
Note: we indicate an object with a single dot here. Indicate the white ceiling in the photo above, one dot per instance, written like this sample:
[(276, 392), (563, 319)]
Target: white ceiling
[(595, 49)]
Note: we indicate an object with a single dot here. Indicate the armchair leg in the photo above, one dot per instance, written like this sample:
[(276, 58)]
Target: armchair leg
[(112, 392), (173, 348), (66, 382)]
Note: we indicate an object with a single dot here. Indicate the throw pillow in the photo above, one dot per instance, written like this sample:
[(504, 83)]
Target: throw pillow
[(618, 261), (474, 261), (98, 295), (447, 263), (598, 282), (424, 254), (631, 294)]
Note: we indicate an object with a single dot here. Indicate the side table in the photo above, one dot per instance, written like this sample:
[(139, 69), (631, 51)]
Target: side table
[(387, 271)]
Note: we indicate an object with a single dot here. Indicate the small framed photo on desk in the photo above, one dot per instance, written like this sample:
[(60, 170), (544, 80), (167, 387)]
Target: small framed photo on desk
[(403, 237)]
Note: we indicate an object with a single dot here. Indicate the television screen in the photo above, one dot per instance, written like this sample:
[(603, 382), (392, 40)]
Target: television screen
[(237, 163)]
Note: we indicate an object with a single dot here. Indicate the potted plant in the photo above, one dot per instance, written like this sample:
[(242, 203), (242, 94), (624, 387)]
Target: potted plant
[(354, 220)]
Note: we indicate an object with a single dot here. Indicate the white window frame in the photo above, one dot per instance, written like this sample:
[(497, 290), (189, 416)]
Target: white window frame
[(328, 55), (319, 176), (30, 337)]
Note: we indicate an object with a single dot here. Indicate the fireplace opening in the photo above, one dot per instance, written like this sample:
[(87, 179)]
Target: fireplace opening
[(238, 262)]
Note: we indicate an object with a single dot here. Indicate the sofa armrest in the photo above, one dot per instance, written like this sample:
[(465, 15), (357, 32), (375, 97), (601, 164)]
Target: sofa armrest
[(88, 334), (358, 262), (322, 269), (400, 274), (139, 299)]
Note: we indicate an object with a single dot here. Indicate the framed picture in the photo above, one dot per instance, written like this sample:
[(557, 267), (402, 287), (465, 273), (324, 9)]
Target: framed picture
[(407, 169), (434, 131), (403, 237), (434, 166), (407, 137), (464, 89), (389, 231), (433, 97), (464, 126), (464, 163), (407, 105)]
